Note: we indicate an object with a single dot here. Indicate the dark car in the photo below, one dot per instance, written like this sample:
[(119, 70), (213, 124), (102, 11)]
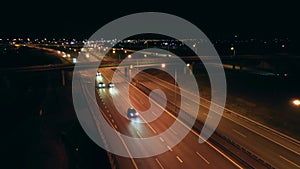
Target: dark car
[(132, 113)]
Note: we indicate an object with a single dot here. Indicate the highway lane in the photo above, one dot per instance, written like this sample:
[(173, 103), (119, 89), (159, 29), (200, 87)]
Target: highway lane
[(251, 137), (273, 154), (275, 136), (189, 153)]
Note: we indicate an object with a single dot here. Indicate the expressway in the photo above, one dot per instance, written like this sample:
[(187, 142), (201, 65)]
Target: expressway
[(274, 148), (189, 153)]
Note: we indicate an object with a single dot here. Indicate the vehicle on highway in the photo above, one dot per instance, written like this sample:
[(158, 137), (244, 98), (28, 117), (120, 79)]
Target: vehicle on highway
[(132, 113), (98, 73), (101, 85), (111, 84)]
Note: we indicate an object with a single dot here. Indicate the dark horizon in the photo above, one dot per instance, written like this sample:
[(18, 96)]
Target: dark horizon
[(260, 20)]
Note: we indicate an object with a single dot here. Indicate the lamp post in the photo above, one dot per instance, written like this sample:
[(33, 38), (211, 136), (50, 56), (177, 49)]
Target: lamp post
[(195, 49), (233, 56), (137, 61), (233, 49), (187, 68)]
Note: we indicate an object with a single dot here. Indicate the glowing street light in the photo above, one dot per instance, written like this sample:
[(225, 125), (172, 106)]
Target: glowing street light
[(195, 49), (163, 65), (296, 102), (232, 49), (129, 56)]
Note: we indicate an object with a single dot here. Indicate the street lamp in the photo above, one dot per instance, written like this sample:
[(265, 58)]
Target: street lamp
[(187, 68), (232, 49), (233, 56), (296, 102), (195, 49), (137, 61), (163, 65)]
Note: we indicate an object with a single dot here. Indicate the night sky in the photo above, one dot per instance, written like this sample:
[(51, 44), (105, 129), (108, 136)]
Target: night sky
[(219, 20)]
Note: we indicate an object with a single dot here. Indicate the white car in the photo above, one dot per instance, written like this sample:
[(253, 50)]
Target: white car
[(98, 74), (111, 84), (101, 85)]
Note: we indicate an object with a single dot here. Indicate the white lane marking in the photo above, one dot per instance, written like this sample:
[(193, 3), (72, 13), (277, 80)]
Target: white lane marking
[(298, 166), (109, 115), (116, 127), (239, 133), (112, 120), (179, 159), (197, 134), (252, 130), (290, 139), (154, 113), (161, 166), (154, 131), (162, 139), (105, 107), (127, 149), (173, 130), (186, 103), (107, 111), (204, 159), (169, 148), (123, 142), (138, 133), (260, 125), (210, 144)]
